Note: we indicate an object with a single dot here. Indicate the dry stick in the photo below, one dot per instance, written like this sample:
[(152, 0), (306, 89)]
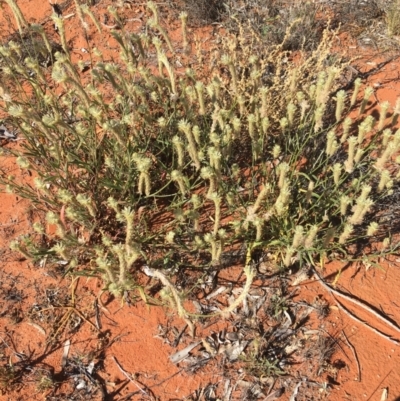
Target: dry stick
[(361, 305), (128, 396), (115, 25), (379, 384), (376, 331), (354, 354), (97, 314), (336, 342), (64, 358), (179, 336), (181, 310), (18, 354), (143, 391)]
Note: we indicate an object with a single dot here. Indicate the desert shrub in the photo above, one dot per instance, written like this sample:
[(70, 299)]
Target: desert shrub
[(141, 162), (358, 13), (392, 12), (293, 25), (204, 11)]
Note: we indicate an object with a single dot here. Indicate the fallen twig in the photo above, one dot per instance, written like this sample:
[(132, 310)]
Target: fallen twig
[(64, 358), (129, 377), (97, 315), (361, 305), (355, 355), (376, 331)]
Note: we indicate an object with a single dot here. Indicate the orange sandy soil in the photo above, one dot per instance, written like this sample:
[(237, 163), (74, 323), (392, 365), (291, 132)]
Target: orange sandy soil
[(37, 303)]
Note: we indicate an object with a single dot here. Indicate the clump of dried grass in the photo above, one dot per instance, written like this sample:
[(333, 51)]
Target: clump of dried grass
[(203, 12), (295, 25), (392, 14)]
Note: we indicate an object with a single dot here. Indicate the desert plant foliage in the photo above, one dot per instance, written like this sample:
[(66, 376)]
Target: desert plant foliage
[(142, 160)]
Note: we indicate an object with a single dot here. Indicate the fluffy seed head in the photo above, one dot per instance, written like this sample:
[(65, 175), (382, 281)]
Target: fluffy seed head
[(372, 229), (344, 203), (276, 151), (170, 237), (298, 237), (23, 162), (337, 169), (52, 218), (348, 229)]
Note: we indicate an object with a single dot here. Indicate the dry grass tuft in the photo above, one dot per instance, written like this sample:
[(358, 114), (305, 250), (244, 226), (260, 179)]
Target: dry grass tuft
[(204, 12)]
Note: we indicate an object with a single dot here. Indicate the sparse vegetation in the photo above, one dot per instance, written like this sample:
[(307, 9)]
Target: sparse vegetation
[(142, 166), (43, 379), (294, 25), (204, 12), (7, 376), (393, 18), (166, 143)]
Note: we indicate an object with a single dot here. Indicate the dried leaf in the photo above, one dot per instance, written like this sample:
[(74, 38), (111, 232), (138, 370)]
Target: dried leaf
[(64, 357), (81, 384), (295, 391), (290, 349), (209, 348), (184, 353), (233, 351), (227, 390), (275, 395), (5, 134), (288, 317), (311, 332), (39, 328), (302, 276), (90, 367), (233, 336), (216, 292)]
